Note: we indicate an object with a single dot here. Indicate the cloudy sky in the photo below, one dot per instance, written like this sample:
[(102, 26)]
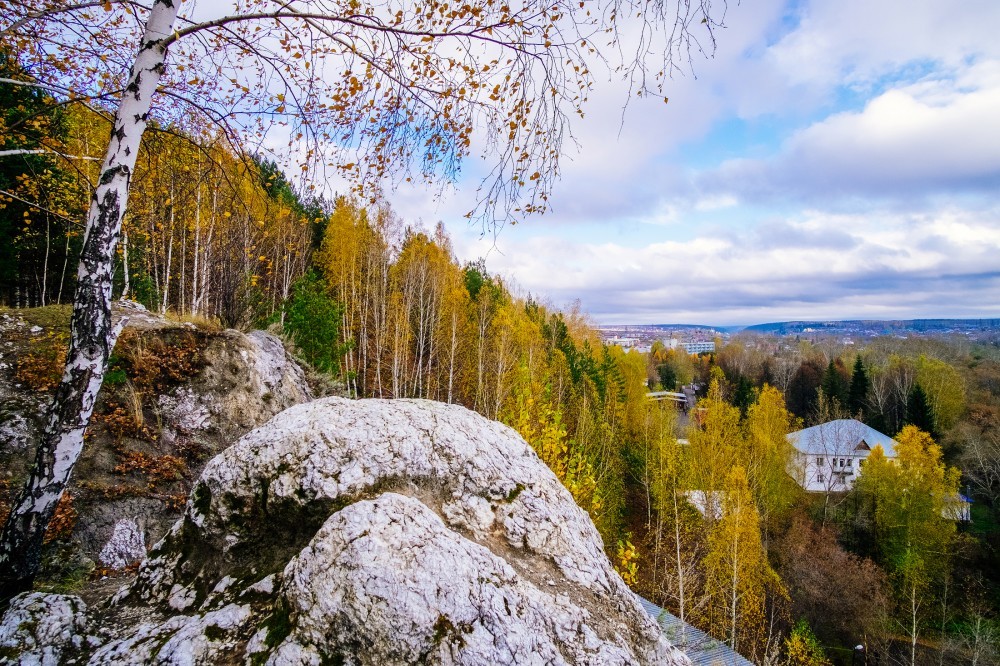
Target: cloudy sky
[(834, 160)]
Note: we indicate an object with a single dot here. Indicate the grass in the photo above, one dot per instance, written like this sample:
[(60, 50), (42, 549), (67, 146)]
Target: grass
[(57, 316), (50, 316), (209, 324)]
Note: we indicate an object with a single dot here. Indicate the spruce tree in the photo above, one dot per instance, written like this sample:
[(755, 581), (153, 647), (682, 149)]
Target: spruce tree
[(919, 412), (834, 386), (857, 396)]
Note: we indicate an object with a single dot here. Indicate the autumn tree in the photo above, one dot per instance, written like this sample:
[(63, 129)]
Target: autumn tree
[(802, 387), (914, 536), (535, 418), (802, 648), (739, 578), (767, 456), (39, 197), (715, 441), (944, 389), (677, 532), (981, 462), (843, 597)]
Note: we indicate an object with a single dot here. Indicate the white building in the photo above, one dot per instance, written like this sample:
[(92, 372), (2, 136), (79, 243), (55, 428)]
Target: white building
[(623, 342), (828, 457), (699, 347)]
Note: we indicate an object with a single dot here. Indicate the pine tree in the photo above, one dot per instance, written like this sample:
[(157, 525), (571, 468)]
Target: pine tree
[(834, 386), (744, 396), (312, 321)]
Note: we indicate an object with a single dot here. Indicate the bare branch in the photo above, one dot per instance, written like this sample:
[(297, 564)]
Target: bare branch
[(11, 195), (45, 151)]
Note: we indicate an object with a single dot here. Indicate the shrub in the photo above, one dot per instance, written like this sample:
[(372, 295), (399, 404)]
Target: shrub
[(312, 321)]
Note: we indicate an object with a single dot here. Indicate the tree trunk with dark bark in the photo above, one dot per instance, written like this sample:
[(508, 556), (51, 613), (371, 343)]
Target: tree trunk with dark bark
[(92, 333)]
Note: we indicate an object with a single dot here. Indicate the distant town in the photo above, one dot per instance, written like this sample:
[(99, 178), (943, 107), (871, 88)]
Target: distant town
[(698, 338)]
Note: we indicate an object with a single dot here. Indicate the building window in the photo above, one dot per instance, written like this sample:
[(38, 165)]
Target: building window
[(841, 462), (850, 462), (819, 461), (820, 478)]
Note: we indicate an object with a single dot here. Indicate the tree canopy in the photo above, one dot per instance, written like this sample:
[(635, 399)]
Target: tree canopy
[(384, 88)]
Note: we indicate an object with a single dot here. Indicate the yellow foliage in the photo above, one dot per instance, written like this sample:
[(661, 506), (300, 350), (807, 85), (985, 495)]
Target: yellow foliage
[(627, 562), (541, 425), (738, 575)]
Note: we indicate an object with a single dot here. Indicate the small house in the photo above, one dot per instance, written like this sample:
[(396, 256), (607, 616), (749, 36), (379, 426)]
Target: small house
[(828, 457)]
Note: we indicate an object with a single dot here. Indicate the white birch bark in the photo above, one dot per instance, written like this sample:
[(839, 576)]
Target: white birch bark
[(92, 333), (170, 250), (195, 304), (125, 289), (62, 276), (45, 263)]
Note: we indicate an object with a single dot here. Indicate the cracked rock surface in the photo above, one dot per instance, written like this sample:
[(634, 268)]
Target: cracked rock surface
[(376, 532)]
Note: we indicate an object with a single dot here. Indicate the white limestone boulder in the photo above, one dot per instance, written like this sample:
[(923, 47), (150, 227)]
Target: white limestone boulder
[(378, 532)]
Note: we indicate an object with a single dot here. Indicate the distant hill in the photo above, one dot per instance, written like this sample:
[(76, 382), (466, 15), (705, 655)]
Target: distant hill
[(873, 327)]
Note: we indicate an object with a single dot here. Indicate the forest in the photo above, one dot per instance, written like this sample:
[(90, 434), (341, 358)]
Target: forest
[(697, 510)]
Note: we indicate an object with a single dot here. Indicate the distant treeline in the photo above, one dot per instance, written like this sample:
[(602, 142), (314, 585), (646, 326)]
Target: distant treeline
[(877, 325)]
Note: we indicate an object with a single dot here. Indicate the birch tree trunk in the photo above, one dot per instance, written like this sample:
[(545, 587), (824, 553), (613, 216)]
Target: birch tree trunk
[(62, 276), (170, 250), (45, 263), (125, 289), (92, 333)]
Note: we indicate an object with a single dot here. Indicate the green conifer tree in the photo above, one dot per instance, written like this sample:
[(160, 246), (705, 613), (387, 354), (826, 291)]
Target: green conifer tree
[(919, 412), (857, 395), (834, 386)]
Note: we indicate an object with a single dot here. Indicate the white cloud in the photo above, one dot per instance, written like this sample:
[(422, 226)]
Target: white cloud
[(912, 156), (940, 134), (897, 267), (859, 41)]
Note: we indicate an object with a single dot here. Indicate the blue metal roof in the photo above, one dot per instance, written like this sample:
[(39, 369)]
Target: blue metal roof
[(700, 648), (841, 437)]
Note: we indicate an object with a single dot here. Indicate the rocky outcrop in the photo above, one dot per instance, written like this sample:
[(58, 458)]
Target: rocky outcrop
[(246, 379), (377, 532), (176, 395), (126, 545)]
